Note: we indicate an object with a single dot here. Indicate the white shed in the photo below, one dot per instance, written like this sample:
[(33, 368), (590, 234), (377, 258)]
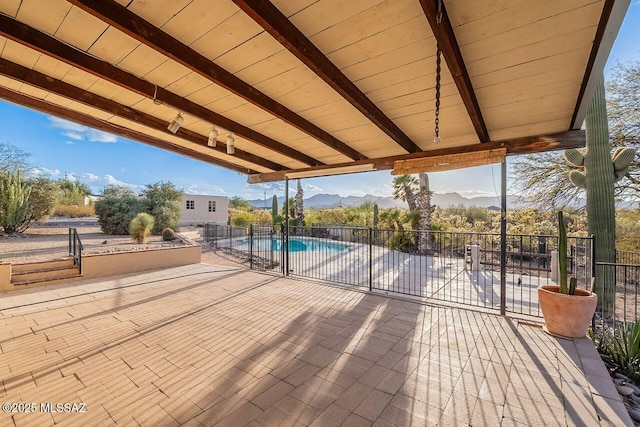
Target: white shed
[(196, 209)]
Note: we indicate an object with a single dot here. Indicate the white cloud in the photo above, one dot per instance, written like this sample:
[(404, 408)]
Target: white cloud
[(269, 186), (97, 183), (99, 136), (45, 172), (73, 135), (205, 190), (80, 132), (66, 125), (90, 177), (311, 187), (69, 142), (470, 194)]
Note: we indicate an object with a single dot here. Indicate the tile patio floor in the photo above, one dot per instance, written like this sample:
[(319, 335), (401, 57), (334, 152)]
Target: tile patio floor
[(207, 345)]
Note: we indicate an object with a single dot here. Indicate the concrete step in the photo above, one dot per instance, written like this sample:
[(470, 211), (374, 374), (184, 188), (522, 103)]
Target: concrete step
[(42, 265), (44, 273), (44, 282)]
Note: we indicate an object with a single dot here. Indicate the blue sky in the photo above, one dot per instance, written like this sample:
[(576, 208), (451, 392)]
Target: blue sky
[(60, 148)]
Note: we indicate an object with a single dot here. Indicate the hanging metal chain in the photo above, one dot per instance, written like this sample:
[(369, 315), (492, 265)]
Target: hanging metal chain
[(436, 137)]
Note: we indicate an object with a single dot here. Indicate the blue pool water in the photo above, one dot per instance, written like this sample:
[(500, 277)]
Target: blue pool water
[(297, 245)]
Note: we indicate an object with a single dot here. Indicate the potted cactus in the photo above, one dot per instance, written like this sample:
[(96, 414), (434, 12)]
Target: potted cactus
[(567, 311)]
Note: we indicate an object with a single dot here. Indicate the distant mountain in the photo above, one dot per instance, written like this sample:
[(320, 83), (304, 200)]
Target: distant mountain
[(323, 201)]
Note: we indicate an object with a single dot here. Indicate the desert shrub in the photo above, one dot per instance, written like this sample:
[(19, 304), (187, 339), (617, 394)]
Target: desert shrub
[(622, 350), (168, 235), (242, 219), (73, 211), (115, 213), (401, 241), (166, 213), (141, 226)]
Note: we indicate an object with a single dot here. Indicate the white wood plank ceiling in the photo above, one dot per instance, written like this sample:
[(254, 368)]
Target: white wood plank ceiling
[(529, 68)]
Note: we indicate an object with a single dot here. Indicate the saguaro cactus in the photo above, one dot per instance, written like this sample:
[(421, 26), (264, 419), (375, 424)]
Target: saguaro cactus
[(274, 208), (376, 217), (597, 173), (299, 206), (565, 288)]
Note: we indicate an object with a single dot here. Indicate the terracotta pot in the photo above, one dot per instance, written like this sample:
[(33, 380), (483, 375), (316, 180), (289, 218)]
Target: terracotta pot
[(566, 315)]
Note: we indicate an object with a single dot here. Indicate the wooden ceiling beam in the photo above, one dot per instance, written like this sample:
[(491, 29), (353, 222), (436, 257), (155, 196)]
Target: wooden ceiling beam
[(443, 32), (47, 45), (595, 50), (518, 146), (74, 116), (133, 25), (275, 23), (65, 90)]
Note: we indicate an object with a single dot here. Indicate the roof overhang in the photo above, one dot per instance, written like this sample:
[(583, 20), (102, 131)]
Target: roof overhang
[(313, 88)]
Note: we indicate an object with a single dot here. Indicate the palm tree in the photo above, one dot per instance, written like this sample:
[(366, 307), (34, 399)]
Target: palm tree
[(423, 203), (404, 188), (418, 196)]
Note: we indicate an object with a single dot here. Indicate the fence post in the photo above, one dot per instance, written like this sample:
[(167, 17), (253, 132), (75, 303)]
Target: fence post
[(286, 248), (370, 258), (593, 255), (282, 243), (250, 246), (503, 240)]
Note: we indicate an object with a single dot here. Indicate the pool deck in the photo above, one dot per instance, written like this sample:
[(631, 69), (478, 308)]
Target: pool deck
[(212, 345)]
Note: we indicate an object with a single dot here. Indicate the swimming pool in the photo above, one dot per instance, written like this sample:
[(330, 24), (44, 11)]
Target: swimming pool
[(297, 245)]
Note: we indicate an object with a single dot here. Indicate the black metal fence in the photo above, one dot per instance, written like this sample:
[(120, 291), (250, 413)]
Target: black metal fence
[(75, 248), (457, 267), (627, 257), (618, 299)]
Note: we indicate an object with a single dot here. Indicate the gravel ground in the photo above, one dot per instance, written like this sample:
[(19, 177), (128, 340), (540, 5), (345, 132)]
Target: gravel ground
[(48, 242)]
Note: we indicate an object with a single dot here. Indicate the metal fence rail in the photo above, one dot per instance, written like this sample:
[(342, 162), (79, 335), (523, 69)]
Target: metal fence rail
[(627, 257), (457, 267), (618, 302)]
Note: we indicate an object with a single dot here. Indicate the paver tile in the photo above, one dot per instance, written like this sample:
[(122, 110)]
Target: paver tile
[(248, 349)]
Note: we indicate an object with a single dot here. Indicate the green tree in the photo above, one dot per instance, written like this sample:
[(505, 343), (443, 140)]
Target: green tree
[(13, 159), (118, 191), (163, 203), (73, 192), (116, 212), (404, 188), (541, 179), (236, 202), (44, 196)]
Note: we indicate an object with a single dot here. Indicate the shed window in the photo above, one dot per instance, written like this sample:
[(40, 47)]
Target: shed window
[(191, 204), (212, 205)]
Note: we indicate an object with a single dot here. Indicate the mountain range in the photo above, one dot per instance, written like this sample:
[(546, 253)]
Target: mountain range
[(323, 201)]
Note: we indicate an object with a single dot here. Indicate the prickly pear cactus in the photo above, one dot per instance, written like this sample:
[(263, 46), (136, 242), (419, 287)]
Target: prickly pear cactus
[(597, 172)]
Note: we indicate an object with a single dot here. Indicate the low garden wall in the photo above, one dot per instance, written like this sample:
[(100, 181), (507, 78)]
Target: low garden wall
[(111, 264), (5, 276)]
